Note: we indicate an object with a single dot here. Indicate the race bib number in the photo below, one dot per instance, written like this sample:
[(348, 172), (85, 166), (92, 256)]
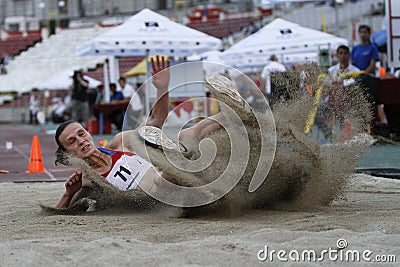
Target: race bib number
[(127, 172)]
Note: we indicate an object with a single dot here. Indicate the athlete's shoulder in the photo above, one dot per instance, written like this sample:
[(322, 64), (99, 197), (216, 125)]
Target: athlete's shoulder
[(117, 142)]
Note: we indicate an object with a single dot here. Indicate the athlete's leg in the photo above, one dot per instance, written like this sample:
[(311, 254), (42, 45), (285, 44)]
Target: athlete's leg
[(190, 137), (203, 128)]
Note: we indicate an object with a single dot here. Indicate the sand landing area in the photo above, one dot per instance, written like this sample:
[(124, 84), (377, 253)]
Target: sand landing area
[(363, 223), (365, 220)]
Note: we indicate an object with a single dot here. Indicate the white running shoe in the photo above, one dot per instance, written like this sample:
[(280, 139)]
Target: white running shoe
[(224, 90), (154, 137), (221, 84)]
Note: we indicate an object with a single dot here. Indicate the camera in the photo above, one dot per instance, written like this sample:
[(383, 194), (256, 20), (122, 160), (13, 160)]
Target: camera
[(76, 73)]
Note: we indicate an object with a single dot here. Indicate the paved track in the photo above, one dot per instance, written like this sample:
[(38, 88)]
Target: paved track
[(16, 160)]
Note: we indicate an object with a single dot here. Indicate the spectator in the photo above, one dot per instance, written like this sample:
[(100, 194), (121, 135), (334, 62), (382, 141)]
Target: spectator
[(272, 66), (252, 28), (5, 60), (79, 102), (231, 40), (364, 56), (116, 117), (3, 63), (33, 107), (125, 87), (91, 99), (242, 33), (376, 9), (339, 73), (116, 96), (98, 100), (344, 67), (136, 108), (99, 94), (59, 110)]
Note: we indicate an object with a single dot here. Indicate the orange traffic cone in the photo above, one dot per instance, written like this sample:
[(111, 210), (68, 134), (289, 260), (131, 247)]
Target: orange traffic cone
[(35, 162)]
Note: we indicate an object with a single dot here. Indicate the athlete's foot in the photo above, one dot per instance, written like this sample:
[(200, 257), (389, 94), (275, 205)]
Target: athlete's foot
[(189, 139)]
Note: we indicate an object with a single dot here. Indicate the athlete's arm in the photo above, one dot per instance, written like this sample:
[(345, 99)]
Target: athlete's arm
[(72, 185), (159, 112), (161, 77)]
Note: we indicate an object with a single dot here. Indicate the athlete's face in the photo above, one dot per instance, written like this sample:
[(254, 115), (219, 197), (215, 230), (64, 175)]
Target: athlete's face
[(77, 141)]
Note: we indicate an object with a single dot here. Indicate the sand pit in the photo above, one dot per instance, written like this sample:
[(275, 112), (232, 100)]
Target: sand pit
[(366, 216), (312, 204)]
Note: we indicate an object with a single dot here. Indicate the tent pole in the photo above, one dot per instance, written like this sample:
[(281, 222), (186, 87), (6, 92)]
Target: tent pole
[(106, 96), (147, 86), (116, 69), (113, 70)]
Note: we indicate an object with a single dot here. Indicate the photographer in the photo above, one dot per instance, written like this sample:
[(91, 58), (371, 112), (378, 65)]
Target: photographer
[(79, 103)]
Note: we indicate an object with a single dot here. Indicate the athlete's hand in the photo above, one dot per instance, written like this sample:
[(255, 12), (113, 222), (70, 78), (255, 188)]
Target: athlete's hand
[(73, 183), (161, 74)]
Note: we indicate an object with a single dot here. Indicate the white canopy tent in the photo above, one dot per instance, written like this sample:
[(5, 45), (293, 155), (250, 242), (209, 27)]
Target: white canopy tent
[(290, 42), (63, 80), (212, 55), (149, 33), (211, 61)]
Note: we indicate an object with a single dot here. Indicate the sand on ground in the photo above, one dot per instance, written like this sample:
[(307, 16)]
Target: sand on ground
[(366, 217)]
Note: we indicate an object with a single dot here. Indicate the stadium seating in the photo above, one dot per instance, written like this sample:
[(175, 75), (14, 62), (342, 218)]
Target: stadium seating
[(16, 42), (55, 54), (222, 28)]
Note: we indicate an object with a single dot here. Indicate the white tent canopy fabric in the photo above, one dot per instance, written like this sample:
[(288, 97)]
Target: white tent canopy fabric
[(63, 80), (149, 33), (291, 43), (211, 55), (211, 60)]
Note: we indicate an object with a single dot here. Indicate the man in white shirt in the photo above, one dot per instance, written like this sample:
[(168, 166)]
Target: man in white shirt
[(272, 66), (344, 67), (135, 111), (126, 89), (338, 73)]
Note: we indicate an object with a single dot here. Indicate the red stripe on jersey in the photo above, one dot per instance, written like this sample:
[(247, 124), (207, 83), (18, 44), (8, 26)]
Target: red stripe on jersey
[(115, 157)]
